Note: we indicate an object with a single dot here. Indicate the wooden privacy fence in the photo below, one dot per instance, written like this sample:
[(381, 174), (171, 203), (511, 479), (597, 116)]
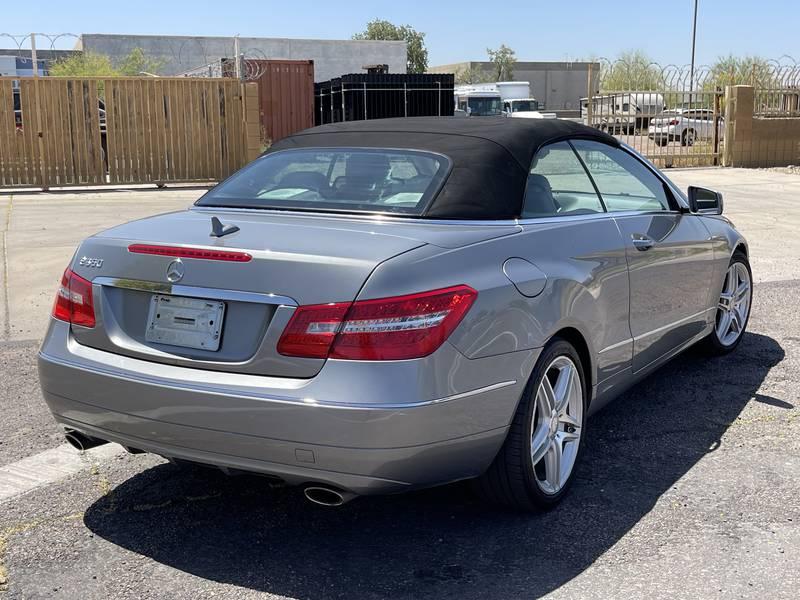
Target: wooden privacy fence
[(91, 131)]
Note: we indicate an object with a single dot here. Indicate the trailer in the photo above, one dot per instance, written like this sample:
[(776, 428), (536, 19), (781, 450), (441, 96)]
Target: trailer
[(623, 112)]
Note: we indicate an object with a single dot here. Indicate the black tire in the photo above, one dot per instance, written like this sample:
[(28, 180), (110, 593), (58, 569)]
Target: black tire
[(510, 479), (711, 344), (685, 140), (662, 142)]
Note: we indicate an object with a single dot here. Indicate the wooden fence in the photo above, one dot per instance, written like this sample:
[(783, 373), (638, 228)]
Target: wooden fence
[(92, 131)]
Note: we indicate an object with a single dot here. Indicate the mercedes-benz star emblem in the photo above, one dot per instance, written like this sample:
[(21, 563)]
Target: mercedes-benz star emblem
[(176, 271)]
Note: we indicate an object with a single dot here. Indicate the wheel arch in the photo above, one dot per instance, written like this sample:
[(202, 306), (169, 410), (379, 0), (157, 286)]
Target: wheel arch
[(578, 341)]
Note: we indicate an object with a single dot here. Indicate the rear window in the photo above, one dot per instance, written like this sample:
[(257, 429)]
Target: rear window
[(335, 179)]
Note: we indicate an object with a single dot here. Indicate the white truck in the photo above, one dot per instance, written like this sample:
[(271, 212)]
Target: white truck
[(477, 101), (518, 101), (504, 98)]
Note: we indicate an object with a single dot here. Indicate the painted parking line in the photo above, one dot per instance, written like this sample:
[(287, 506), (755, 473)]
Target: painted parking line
[(50, 466)]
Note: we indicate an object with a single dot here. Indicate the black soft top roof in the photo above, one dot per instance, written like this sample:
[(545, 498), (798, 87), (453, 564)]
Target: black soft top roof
[(491, 156)]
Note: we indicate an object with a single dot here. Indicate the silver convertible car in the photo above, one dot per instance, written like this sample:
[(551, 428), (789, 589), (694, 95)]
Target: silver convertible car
[(385, 305)]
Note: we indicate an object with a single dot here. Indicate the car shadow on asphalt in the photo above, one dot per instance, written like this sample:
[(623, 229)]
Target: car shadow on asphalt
[(441, 542)]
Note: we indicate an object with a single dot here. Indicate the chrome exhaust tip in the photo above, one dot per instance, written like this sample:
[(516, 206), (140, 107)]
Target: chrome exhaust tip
[(327, 496), (81, 441)]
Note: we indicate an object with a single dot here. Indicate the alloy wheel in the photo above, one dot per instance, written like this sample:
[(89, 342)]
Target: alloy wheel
[(557, 423), (734, 304)]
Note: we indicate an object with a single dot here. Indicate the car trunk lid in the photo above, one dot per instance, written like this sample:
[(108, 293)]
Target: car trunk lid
[(294, 260)]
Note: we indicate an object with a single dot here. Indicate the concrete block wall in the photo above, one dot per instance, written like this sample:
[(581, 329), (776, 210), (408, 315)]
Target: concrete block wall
[(179, 54), (757, 141)]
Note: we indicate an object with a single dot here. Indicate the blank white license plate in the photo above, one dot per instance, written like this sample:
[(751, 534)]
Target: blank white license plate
[(186, 322)]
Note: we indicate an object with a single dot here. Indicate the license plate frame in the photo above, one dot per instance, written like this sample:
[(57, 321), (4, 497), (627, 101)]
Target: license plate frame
[(185, 322)]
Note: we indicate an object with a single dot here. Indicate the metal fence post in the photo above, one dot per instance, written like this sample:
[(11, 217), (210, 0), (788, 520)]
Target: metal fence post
[(589, 99), (715, 133), (405, 99), (365, 100), (33, 56)]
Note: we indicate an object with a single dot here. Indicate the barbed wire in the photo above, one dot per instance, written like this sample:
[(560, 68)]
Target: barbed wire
[(20, 40), (195, 57), (187, 56), (781, 73)]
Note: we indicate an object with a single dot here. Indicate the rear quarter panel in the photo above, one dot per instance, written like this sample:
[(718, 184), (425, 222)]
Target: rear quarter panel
[(586, 289)]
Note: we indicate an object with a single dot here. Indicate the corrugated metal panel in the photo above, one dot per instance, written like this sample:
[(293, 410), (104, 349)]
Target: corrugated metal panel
[(286, 92)]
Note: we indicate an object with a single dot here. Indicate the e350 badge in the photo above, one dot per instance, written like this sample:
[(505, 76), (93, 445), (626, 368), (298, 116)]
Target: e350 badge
[(91, 263)]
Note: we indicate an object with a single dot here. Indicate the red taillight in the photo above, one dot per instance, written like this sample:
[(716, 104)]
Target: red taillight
[(397, 328), (180, 252), (674, 122), (311, 330), (74, 303)]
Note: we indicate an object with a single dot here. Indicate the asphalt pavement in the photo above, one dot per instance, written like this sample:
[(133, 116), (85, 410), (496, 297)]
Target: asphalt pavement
[(688, 486)]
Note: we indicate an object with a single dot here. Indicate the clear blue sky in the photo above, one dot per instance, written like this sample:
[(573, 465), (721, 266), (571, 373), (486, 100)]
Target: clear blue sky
[(456, 31)]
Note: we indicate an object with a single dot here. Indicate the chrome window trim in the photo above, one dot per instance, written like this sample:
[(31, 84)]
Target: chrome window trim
[(157, 287), (676, 193), (424, 221)]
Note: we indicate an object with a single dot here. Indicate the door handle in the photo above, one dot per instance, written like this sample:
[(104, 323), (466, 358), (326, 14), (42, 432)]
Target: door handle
[(642, 242)]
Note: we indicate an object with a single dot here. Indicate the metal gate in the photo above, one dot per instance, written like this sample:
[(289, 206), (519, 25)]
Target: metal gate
[(91, 131), (672, 115)]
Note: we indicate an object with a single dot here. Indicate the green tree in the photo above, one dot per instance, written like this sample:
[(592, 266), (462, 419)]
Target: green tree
[(740, 70), (417, 53), (472, 74), (92, 64), (633, 70), (137, 63), (84, 64), (504, 59)]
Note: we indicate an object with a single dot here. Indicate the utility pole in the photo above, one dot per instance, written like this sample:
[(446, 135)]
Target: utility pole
[(694, 42), (33, 56), (237, 64)]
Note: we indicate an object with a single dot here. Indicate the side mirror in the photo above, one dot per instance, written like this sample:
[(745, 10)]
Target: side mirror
[(704, 201)]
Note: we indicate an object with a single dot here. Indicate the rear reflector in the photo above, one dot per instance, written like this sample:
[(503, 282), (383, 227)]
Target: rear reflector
[(74, 303), (396, 328), (181, 252)]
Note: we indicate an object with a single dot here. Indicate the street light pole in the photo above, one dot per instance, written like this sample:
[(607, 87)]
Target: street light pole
[(694, 41)]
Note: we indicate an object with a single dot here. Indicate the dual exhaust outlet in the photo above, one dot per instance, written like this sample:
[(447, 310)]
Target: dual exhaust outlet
[(318, 494), (327, 496)]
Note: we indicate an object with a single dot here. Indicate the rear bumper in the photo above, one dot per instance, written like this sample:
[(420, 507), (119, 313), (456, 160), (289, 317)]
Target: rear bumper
[(361, 426), (663, 134)]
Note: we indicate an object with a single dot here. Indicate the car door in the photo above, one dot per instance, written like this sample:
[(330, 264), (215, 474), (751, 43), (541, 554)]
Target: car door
[(570, 238), (669, 252)]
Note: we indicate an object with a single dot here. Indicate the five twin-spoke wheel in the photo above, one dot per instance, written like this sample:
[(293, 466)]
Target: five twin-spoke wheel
[(733, 309), (535, 466), (556, 425), (734, 304)]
